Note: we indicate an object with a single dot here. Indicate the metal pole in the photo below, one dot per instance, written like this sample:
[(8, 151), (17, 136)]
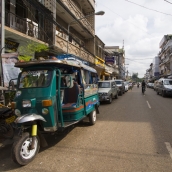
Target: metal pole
[(2, 45)]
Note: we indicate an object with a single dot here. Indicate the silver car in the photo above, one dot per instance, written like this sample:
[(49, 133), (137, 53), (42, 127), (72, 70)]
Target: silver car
[(107, 90), (164, 87)]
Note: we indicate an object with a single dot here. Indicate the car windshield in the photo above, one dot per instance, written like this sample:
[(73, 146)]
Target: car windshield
[(118, 82), (104, 85), (167, 82), (35, 78)]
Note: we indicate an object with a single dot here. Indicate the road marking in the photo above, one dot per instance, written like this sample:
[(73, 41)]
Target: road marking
[(148, 104), (168, 146)]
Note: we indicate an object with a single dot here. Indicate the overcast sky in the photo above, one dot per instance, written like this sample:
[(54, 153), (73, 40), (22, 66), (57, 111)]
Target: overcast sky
[(140, 28)]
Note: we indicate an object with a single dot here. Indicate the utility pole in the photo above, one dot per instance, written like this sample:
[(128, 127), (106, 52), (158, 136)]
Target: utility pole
[(2, 45), (2, 18)]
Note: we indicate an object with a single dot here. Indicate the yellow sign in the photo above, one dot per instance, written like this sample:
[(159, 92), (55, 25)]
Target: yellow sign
[(99, 62)]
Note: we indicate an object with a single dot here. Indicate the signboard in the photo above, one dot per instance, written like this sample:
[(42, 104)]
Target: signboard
[(99, 62), (109, 60), (9, 71), (11, 45), (71, 57)]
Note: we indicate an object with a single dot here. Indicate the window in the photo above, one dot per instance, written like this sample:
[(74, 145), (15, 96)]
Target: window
[(104, 84), (36, 78)]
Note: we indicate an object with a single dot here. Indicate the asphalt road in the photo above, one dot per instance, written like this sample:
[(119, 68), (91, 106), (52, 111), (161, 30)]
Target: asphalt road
[(133, 134)]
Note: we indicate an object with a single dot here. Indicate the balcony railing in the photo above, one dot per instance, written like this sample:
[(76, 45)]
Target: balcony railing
[(78, 14), (75, 49), (25, 26)]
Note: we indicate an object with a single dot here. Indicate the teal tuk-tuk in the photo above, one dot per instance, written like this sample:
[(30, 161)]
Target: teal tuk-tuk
[(51, 95)]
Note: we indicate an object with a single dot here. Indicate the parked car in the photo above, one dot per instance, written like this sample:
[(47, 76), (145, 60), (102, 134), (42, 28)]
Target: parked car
[(121, 86), (155, 85), (107, 90), (126, 84), (164, 87), (149, 85), (130, 85)]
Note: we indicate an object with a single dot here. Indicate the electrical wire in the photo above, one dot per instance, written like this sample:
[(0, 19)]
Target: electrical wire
[(123, 18), (148, 8), (168, 1)]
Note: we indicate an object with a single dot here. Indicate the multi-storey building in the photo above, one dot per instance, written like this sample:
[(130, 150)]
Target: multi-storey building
[(99, 58), (66, 26), (111, 62), (165, 56)]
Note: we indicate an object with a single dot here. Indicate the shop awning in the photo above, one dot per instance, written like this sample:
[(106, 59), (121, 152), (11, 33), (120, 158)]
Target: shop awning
[(105, 73), (100, 59)]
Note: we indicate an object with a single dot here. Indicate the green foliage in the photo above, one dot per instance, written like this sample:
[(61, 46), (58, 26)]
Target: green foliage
[(27, 51), (24, 58)]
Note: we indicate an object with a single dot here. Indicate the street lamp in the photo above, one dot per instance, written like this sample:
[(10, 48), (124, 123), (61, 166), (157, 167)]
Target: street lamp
[(97, 13)]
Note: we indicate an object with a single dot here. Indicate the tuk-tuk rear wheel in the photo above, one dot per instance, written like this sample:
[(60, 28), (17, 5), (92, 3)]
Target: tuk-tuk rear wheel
[(92, 117), (21, 153)]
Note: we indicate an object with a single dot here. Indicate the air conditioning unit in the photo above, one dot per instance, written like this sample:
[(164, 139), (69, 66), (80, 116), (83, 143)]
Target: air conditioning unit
[(31, 28)]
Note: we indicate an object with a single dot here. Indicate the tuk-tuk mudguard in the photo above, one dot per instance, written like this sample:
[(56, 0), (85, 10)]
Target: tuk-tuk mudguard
[(29, 117)]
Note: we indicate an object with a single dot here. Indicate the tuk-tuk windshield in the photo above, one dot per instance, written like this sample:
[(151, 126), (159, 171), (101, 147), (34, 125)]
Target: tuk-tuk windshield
[(35, 78)]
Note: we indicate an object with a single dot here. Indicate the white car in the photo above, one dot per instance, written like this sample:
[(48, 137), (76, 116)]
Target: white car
[(126, 84)]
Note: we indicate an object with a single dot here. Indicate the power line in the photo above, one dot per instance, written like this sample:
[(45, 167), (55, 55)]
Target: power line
[(148, 8), (140, 59), (123, 18), (168, 1)]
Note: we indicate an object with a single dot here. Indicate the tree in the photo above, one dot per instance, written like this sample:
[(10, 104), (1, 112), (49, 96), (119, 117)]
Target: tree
[(135, 76), (27, 52)]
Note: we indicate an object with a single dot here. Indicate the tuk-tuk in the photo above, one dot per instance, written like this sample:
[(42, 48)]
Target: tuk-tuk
[(51, 95)]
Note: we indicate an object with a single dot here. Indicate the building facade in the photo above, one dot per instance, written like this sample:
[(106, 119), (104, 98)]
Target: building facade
[(165, 56), (57, 24)]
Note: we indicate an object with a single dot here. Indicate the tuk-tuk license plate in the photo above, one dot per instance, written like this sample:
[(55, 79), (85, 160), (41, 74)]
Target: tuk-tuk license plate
[(10, 120)]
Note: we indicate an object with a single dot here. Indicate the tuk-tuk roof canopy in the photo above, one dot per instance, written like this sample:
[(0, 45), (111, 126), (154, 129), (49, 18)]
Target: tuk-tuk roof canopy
[(55, 63)]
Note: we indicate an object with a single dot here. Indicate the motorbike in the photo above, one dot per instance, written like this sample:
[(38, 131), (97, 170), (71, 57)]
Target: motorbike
[(7, 119)]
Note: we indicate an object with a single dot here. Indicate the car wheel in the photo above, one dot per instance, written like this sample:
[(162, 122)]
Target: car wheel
[(110, 99), (157, 92), (163, 94), (116, 97)]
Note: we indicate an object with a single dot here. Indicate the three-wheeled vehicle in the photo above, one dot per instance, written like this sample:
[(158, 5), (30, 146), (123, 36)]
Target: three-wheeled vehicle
[(51, 95)]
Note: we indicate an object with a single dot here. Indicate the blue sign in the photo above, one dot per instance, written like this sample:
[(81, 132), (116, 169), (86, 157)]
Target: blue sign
[(109, 59), (71, 57)]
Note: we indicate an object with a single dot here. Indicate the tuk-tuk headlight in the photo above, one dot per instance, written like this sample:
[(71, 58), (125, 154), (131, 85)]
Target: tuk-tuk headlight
[(26, 103), (45, 111), (17, 112)]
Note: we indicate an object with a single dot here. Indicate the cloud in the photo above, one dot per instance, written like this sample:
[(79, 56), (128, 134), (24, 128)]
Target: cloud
[(141, 29)]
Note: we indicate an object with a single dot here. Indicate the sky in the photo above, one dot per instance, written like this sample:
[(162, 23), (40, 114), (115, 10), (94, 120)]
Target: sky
[(140, 23)]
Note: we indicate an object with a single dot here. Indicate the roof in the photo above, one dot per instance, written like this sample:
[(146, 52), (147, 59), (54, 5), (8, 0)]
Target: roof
[(55, 63)]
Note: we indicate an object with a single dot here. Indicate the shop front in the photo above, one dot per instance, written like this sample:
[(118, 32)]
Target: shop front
[(107, 74), (99, 66)]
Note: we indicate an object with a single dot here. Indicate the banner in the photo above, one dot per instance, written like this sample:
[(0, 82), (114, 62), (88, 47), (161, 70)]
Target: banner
[(9, 71)]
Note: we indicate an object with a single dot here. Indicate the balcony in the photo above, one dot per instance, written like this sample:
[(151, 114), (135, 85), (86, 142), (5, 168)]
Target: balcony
[(25, 26), (165, 60), (78, 14), (74, 48)]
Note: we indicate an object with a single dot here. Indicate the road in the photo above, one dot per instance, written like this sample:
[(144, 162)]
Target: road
[(133, 134)]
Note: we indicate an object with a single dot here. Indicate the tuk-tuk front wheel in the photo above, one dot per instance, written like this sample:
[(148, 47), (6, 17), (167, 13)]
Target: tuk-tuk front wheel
[(21, 152), (92, 117)]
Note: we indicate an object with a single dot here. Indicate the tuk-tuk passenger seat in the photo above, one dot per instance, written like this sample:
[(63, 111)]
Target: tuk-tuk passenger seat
[(71, 95)]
